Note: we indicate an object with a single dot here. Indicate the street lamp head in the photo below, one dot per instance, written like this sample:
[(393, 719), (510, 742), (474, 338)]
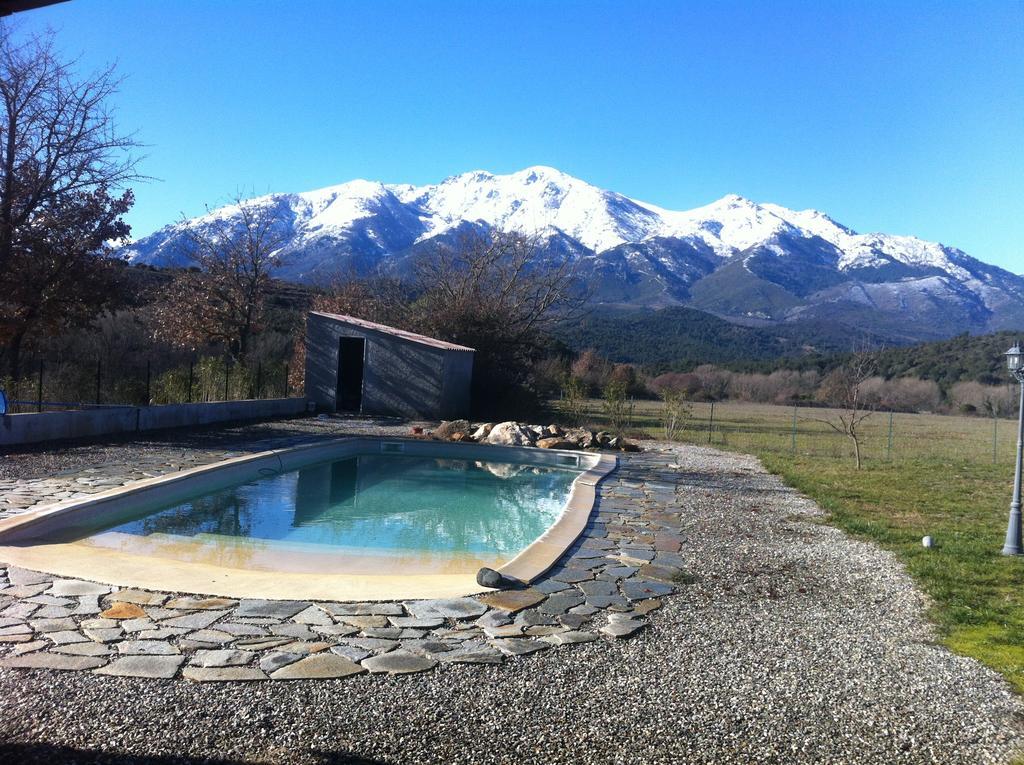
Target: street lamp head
[(1013, 359)]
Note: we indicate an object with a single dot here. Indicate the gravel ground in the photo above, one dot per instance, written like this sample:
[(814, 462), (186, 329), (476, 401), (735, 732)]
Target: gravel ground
[(794, 644)]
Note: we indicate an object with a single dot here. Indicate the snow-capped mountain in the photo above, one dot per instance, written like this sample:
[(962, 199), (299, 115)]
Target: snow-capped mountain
[(742, 260)]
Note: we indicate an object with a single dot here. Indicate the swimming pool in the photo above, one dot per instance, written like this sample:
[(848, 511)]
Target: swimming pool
[(359, 514), (356, 517)]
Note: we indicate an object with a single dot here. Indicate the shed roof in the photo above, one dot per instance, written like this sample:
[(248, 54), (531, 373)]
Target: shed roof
[(401, 333)]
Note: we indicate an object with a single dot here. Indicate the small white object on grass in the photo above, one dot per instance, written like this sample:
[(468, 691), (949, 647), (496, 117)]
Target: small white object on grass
[(927, 542)]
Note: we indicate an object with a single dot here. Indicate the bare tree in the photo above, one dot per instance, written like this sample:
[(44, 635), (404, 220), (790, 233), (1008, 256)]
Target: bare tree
[(498, 294), (224, 299), (496, 288), (844, 389), (61, 157)]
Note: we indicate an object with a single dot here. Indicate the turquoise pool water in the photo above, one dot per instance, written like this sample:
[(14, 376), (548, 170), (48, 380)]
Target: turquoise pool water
[(356, 515)]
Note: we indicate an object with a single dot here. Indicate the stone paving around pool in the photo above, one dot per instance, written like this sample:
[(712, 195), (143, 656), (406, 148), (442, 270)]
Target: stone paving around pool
[(606, 587)]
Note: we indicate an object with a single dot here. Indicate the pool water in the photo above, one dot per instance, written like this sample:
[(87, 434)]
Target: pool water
[(368, 514)]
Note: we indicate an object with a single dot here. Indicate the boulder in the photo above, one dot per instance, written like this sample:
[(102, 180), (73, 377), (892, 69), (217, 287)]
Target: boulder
[(446, 430), (481, 433), (554, 430), (581, 436), (554, 442), (511, 434), (460, 436), (603, 438)]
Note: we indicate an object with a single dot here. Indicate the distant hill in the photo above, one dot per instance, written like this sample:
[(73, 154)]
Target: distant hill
[(683, 338)]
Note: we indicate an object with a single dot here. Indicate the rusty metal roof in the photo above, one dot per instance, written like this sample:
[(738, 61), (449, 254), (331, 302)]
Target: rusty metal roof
[(395, 332)]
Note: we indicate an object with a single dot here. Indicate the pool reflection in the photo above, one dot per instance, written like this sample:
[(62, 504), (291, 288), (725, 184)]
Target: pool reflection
[(373, 505)]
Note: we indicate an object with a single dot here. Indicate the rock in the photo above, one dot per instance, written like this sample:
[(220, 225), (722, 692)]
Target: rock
[(123, 611), (142, 666), (366, 622), (399, 663), (460, 436), (488, 577), (320, 665), (202, 604), (518, 646), (211, 637), (66, 636), (481, 433), (581, 437), (274, 660), (221, 658), (35, 645), (416, 623), (640, 589), (22, 637), (511, 434), (65, 587), (47, 625), (103, 634), (623, 628), (447, 429), (454, 608), (42, 660), (555, 442), (195, 621), (83, 649), (659, 573), (512, 601), (504, 630), (146, 648), (493, 618), (279, 609), (139, 597), (574, 636), (223, 674), (261, 643), (350, 652), (481, 655), (364, 609)]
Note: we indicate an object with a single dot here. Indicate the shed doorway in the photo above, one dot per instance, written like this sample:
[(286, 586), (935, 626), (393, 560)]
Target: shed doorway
[(350, 374)]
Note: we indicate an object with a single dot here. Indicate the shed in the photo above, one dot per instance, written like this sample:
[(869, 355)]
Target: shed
[(353, 365)]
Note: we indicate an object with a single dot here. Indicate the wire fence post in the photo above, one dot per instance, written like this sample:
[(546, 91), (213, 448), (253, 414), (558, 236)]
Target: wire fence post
[(888, 448), (148, 380), (711, 421), (99, 380), (39, 390), (793, 437), (191, 376), (285, 386)]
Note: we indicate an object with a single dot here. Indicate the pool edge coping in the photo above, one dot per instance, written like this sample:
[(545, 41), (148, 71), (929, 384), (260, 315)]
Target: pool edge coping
[(530, 563)]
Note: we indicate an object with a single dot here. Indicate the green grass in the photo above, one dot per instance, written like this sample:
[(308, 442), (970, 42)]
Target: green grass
[(940, 478), (977, 594)]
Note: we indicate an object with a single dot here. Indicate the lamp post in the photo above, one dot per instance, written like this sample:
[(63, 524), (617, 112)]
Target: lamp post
[(1012, 546)]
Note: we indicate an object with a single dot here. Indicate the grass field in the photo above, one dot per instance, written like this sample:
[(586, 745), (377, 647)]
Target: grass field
[(948, 477)]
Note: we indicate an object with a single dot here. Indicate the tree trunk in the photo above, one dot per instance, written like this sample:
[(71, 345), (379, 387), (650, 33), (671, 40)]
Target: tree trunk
[(14, 354), (856, 450)]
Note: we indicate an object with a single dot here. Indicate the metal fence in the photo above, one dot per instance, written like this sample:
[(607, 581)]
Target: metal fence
[(54, 384), (886, 436)]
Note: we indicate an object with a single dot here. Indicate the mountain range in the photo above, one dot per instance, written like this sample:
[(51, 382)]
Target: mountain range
[(748, 263)]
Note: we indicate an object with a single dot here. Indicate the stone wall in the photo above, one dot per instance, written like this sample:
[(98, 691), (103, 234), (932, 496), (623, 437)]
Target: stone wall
[(33, 428)]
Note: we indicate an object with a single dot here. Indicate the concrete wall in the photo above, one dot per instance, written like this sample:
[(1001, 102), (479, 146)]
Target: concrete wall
[(400, 377), (18, 429)]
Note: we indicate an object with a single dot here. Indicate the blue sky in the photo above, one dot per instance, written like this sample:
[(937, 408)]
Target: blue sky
[(900, 117)]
